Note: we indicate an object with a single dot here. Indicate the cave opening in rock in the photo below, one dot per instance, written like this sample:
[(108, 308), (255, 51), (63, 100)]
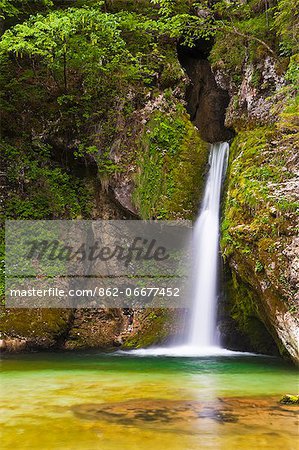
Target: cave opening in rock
[(206, 101)]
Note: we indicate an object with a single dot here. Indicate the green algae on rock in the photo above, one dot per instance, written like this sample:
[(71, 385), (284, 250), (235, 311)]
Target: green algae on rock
[(171, 157), (289, 399)]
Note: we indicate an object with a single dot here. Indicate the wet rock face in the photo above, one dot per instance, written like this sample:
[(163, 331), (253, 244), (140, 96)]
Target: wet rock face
[(27, 329), (253, 101), (87, 328), (123, 191), (260, 222), (206, 101), (12, 345), (95, 328)]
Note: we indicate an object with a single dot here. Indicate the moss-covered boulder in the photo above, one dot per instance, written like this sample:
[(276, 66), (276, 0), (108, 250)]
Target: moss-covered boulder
[(289, 399)]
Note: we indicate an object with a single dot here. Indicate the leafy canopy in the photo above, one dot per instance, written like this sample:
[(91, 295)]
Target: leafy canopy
[(85, 39), (263, 22), (11, 8), (51, 36)]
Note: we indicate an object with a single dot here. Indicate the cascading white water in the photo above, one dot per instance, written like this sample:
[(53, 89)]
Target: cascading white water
[(205, 247), (202, 340)]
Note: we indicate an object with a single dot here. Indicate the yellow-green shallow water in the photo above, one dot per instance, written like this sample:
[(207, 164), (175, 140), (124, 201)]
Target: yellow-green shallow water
[(93, 401)]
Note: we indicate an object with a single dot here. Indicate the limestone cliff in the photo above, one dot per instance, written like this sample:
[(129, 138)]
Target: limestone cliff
[(260, 214)]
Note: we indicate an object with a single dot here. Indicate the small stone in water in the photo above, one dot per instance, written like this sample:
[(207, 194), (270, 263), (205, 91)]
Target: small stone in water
[(289, 399)]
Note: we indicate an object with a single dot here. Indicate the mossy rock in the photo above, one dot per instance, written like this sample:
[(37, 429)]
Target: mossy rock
[(289, 399), (39, 328), (172, 161), (259, 231), (153, 327), (94, 328)]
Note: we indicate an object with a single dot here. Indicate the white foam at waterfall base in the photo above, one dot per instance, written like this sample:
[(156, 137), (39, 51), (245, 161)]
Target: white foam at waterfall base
[(184, 351)]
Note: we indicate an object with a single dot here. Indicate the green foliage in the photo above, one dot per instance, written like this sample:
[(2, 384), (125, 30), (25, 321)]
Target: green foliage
[(8, 8), (84, 150), (11, 8), (82, 38), (168, 8), (292, 74), (106, 166), (246, 32), (246, 23), (76, 68), (259, 267), (190, 28), (38, 189), (180, 21), (287, 25)]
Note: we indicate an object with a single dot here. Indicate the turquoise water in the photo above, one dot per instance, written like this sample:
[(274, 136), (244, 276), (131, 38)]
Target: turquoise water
[(43, 392)]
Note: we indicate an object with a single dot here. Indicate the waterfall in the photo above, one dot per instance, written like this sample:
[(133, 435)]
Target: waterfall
[(202, 340), (206, 249)]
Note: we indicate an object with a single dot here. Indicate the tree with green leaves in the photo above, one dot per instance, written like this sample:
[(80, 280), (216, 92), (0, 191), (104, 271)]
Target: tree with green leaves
[(12, 8), (65, 40), (85, 39)]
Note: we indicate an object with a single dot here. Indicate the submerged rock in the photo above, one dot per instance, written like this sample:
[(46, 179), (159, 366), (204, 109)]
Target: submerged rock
[(157, 412), (186, 416)]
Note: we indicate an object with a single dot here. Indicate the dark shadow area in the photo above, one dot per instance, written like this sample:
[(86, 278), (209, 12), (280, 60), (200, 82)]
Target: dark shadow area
[(239, 326), (206, 101)]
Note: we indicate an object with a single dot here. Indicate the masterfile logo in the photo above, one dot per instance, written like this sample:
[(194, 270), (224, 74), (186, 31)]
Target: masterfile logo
[(110, 263)]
